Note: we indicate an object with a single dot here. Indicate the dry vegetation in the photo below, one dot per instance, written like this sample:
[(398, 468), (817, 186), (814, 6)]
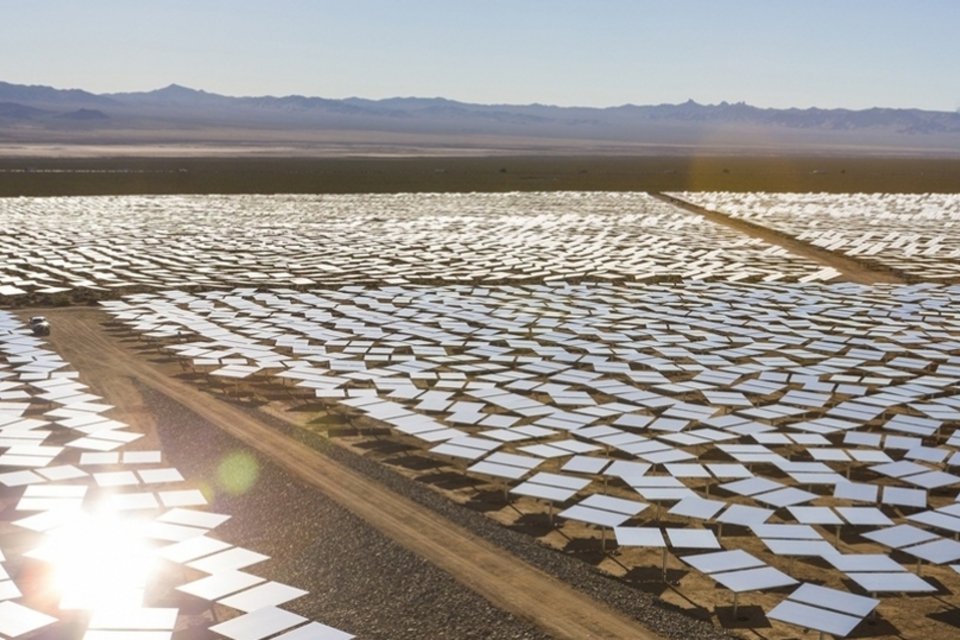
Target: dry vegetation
[(43, 176)]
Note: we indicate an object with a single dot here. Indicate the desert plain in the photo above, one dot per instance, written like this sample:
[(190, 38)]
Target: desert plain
[(492, 397)]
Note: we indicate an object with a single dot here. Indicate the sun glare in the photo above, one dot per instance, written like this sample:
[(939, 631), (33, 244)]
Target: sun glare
[(99, 561)]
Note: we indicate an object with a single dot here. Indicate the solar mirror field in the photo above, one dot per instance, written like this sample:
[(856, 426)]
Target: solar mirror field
[(684, 415)]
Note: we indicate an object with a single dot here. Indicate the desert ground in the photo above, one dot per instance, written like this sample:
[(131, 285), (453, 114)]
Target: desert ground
[(56, 173), (395, 536)]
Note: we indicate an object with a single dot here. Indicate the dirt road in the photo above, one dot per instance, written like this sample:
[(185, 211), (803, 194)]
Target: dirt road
[(110, 367), (852, 269)]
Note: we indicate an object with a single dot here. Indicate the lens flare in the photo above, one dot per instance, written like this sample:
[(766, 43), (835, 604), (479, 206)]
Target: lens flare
[(237, 473)]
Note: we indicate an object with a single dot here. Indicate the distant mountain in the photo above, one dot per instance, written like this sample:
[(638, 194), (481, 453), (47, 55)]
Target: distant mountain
[(88, 115), (36, 94), (17, 111), (173, 94), (178, 113)]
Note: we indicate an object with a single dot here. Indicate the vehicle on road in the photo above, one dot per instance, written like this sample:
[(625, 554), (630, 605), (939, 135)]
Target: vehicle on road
[(40, 326)]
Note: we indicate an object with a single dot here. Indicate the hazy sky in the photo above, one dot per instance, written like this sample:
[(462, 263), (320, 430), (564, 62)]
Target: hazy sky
[(771, 53)]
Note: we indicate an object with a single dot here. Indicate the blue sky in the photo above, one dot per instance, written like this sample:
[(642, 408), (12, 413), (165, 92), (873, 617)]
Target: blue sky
[(771, 53)]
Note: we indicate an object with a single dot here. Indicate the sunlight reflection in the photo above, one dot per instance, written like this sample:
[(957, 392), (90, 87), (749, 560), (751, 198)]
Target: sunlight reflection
[(99, 561)]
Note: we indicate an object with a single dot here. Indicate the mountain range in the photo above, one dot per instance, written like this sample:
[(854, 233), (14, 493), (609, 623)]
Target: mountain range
[(180, 115)]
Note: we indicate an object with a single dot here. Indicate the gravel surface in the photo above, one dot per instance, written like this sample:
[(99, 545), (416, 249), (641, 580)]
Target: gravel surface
[(370, 585), (359, 580)]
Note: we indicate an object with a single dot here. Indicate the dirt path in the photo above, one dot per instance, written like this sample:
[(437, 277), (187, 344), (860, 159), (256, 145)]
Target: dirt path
[(852, 269), (110, 367)]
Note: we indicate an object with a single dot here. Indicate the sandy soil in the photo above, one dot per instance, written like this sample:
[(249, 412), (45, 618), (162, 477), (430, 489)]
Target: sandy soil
[(856, 270), (117, 364), (516, 587)]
